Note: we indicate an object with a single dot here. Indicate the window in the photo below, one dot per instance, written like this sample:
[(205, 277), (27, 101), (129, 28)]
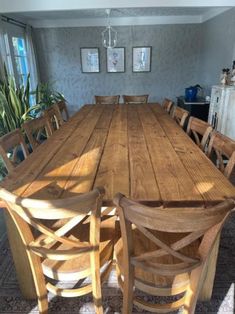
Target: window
[(20, 59), (8, 56)]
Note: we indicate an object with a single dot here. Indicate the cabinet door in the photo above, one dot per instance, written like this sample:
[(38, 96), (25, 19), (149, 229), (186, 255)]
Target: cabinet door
[(216, 104), (229, 124)]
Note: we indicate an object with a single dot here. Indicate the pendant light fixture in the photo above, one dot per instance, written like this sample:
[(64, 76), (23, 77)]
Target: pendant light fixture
[(109, 35)]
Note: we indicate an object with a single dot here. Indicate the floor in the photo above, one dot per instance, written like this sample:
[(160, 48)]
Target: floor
[(2, 223)]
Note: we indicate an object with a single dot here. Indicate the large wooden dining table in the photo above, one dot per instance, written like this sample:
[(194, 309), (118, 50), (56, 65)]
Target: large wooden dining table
[(138, 150)]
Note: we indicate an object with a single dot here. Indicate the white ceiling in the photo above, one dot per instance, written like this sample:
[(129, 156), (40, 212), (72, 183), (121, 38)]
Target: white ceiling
[(62, 13), (100, 13)]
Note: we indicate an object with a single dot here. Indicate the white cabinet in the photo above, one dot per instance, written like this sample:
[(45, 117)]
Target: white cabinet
[(222, 110)]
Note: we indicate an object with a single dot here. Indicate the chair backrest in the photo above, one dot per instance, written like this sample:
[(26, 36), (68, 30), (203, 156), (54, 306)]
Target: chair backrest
[(112, 100), (56, 244), (63, 110), (36, 129), (167, 105), (224, 148), (138, 99), (199, 127), (166, 233), (9, 144), (54, 116), (180, 115)]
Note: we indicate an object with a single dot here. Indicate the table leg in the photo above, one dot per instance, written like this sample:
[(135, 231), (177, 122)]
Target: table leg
[(207, 288), (21, 262)]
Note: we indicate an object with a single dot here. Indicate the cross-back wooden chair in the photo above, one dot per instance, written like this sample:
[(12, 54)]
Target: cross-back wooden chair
[(138, 99), (164, 252), (54, 117), (224, 149), (180, 115), (200, 128), (63, 110), (9, 147), (71, 243), (167, 105), (36, 129), (112, 100)]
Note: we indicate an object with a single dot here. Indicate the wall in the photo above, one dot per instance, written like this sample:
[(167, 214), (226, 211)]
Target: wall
[(217, 47), (175, 61)]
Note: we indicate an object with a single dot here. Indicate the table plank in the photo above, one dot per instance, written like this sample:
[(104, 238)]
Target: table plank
[(83, 175), (143, 185), (53, 178), (169, 126), (150, 121), (172, 177), (113, 172), (211, 183)]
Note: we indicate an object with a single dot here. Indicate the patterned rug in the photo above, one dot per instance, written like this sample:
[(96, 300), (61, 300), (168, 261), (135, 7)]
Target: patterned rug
[(222, 302)]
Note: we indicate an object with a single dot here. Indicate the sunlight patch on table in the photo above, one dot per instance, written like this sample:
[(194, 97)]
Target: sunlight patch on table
[(204, 186)]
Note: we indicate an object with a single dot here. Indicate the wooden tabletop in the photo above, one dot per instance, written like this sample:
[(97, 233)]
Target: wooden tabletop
[(134, 149)]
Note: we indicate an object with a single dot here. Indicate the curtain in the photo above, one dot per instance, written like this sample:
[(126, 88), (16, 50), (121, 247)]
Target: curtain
[(3, 49), (32, 60)]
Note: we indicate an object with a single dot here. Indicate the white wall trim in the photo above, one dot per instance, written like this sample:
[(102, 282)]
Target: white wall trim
[(212, 13), (14, 6), (120, 21), (126, 21)]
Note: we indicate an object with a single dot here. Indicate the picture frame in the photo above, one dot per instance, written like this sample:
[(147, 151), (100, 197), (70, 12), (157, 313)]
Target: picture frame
[(141, 59), (90, 60), (115, 60)]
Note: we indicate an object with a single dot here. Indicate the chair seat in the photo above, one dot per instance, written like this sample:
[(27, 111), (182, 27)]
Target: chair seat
[(78, 268), (141, 245)]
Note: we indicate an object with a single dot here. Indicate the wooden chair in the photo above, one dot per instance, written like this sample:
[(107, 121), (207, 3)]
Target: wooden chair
[(111, 100), (72, 243), (63, 110), (54, 116), (180, 115), (36, 129), (141, 99), (224, 149), (164, 252), (167, 105), (200, 128), (10, 143)]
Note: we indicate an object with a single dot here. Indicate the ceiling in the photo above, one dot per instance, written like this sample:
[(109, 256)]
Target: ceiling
[(61, 13), (100, 13)]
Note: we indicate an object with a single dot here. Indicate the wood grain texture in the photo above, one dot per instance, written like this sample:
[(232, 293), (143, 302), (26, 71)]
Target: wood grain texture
[(165, 251), (51, 181), (74, 250), (137, 150), (11, 142), (142, 180), (206, 179), (113, 172)]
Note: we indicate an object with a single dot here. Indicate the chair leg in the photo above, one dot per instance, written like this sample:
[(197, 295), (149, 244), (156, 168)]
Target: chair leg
[(128, 287), (43, 304), (96, 282), (197, 278)]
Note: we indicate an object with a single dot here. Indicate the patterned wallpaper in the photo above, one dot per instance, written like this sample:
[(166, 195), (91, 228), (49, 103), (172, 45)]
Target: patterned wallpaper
[(218, 47), (175, 61)]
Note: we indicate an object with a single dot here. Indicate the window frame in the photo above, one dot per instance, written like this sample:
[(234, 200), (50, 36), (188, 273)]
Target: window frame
[(11, 32)]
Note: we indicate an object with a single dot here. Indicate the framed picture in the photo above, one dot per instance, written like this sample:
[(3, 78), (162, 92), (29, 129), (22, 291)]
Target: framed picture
[(141, 59), (90, 60), (115, 60)]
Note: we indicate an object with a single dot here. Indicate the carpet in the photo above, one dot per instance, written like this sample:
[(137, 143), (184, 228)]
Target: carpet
[(222, 302)]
